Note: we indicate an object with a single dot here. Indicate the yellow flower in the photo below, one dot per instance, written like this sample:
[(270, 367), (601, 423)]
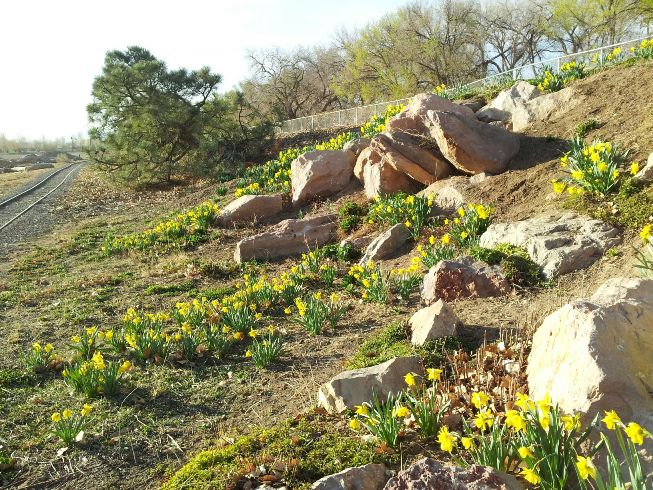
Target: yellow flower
[(461, 212), (124, 367), (98, 361), (615, 174), (524, 452), (634, 168), (67, 413), (354, 424), (446, 439), (467, 442), (523, 402), (480, 399), (86, 409), (530, 476), (402, 412), (108, 334), (56, 417), (558, 187), (602, 167), (585, 467), (464, 235), (445, 239), (484, 419), (410, 379), (75, 339), (408, 224), (48, 348), (611, 419), (248, 353), (432, 240), (515, 420), (362, 410), (645, 234), (571, 422), (577, 174), (36, 347), (434, 374), (635, 432), (564, 161)]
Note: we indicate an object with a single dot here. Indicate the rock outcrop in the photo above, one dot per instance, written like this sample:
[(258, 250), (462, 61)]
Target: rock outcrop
[(386, 243), (379, 177), (505, 104), (542, 107), (429, 474), (413, 119), (287, 238), (351, 388), (463, 278), (472, 146), (433, 322), (320, 174), (247, 209), (559, 244)]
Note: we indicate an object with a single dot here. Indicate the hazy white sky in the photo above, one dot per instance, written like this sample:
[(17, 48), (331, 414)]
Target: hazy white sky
[(52, 50)]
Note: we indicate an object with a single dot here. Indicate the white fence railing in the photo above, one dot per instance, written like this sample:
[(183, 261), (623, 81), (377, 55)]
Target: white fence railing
[(358, 115)]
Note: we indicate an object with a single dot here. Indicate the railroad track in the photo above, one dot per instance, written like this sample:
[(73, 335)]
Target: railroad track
[(18, 205)]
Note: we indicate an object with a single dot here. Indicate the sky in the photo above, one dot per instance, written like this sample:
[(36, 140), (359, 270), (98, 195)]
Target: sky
[(52, 50)]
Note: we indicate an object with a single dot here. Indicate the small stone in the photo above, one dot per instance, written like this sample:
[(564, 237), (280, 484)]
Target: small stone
[(433, 322), (386, 243), (369, 477)]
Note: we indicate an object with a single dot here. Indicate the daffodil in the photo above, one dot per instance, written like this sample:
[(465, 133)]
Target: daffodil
[(434, 374), (611, 419), (401, 412), (530, 475), (86, 409), (515, 420), (585, 467), (446, 439), (484, 419), (467, 442), (525, 452), (362, 410), (480, 399), (56, 417), (354, 424), (635, 433), (410, 379)]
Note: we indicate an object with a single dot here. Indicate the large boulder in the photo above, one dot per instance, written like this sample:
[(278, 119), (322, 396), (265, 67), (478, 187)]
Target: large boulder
[(382, 178), (413, 119), (367, 156), (542, 107), (504, 104), (559, 244), (403, 152), (287, 238), (351, 388), (386, 243), (595, 354), (320, 173), (429, 474), (463, 278), (472, 146), (247, 209), (369, 477), (356, 146), (433, 322)]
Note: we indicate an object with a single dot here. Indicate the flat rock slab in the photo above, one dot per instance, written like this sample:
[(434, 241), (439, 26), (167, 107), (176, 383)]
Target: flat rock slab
[(472, 146), (433, 322), (386, 243), (594, 355), (351, 388), (287, 238), (429, 474), (320, 174), (369, 477), (463, 278), (559, 244), (247, 209)]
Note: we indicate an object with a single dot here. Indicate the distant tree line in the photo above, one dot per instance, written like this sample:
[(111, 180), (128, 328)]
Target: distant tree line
[(424, 44), (24, 145)]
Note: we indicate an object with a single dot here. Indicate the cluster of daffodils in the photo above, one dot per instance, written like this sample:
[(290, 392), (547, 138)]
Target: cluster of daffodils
[(441, 90), (595, 169), (96, 376), (411, 210), (314, 313), (337, 142), (374, 284), (42, 358), (68, 425), (185, 228), (645, 255), (552, 82), (377, 124), (644, 50)]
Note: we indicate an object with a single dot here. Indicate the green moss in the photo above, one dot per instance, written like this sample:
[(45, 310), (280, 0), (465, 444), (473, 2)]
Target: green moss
[(487, 255), (633, 204), (311, 447), (391, 342)]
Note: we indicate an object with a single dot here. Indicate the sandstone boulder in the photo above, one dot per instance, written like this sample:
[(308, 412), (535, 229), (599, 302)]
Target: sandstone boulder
[(246, 209), (356, 146), (287, 238), (646, 173), (480, 178), (413, 119), (542, 107), (368, 477), (358, 243), (382, 178), (476, 103), (405, 155), (503, 106), (559, 244), (463, 278), (449, 194), (386, 243), (594, 355), (351, 388), (473, 146), (366, 156), (433, 322), (320, 174), (429, 474)]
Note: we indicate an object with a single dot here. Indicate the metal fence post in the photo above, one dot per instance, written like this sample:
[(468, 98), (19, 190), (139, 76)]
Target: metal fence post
[(514, 73), (601, 56), (356, 116), (558, 65)]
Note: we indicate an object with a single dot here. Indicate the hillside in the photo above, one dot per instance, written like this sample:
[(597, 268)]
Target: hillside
[(167, 410)]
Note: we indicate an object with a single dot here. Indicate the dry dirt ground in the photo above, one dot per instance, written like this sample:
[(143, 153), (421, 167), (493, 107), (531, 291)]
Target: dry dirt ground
[(167, 413), (12, 182)]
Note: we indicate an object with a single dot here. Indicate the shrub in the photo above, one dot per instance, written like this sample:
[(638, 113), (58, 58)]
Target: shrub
[(351, 215)]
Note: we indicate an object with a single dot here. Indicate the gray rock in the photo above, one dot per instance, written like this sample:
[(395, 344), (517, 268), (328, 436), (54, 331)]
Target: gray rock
[(429, 474), (250, 208), (479, 178), (559, 244), (369, 477), (358, 243), (287, 238), (463, 278), (386, 243), (351, 388), (433, 322), (543, 107), (504, 104)]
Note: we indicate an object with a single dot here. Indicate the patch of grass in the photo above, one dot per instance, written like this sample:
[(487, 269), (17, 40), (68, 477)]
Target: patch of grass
[(213, 293), (516, 265), (630, 208), (351, 215), (391, 342), (170, 289), (586, 126), (309, 447)]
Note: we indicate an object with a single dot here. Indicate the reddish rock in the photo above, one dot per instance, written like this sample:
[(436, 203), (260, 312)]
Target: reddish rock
[(382, 178), (247, 209), (413, 119), (320, 174)]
